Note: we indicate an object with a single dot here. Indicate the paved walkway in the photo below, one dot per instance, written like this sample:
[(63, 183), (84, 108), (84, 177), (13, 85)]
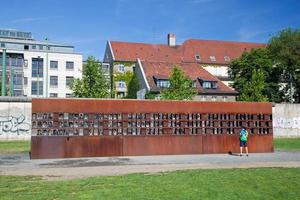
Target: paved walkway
[(54, 169)]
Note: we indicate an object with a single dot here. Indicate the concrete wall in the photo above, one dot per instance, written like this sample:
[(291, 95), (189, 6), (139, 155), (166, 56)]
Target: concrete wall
[(15, 118), (286, 120)]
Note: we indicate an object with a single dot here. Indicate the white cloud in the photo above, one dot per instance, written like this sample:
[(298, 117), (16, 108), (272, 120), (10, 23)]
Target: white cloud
[(33, 19)]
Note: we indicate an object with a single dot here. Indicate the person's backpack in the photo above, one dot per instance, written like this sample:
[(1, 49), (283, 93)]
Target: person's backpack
[(243, 135)]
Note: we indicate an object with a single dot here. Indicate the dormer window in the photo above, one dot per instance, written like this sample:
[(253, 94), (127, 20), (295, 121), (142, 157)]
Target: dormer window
[(227, 58), (163, 83), (212, 58), (209, 84), (206, 85), (197, 57), (194, 84)]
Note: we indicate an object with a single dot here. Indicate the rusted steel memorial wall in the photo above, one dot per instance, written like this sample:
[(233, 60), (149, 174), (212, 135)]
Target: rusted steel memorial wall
[(66, 128)]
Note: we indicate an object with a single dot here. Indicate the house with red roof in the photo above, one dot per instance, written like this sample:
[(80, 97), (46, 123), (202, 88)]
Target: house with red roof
[(210, 56), (154, 76)]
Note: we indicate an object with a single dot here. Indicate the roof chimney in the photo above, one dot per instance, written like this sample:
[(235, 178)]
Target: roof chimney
[(171, 40)]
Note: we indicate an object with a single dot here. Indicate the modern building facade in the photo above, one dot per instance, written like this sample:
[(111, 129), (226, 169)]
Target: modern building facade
[(38, 68), (213, 56)]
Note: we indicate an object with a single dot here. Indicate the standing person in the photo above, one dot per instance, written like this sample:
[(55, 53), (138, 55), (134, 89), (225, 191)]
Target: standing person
[(243, 140)]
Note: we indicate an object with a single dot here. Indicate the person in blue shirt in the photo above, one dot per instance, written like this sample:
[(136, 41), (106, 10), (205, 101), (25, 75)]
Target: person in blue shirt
[(243, 140)]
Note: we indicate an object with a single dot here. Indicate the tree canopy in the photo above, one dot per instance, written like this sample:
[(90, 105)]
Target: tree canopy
[(253, 89), (93, 84), (259, 61), (181, 87), (285, 51)]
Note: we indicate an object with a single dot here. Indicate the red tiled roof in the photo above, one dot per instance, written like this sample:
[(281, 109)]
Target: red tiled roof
[(162, 70), (128, 51)]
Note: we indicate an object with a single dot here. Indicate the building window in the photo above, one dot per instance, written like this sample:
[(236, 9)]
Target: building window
[(212, 58), (69, 95), (203, 98), (121, 84), (163, 83), (18, 80), (225, 98), (69, 80), (2, 45), (26, 47), (197, 57), (53, 64), (25, 80), (227, 58), (69, 65), (16, 62), (41, 47), (37, 67), (194, 84), (33, 47), (206, 85), (210, 85), (214, 98), (54, 81), (121, 68), (34, 87), (18, 93), (53, 95), (120, 94)]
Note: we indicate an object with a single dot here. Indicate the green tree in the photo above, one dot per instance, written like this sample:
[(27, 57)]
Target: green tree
[(133, 87), (253, 89), (93, 83), (241, 71), (180, 86), (285, 50)]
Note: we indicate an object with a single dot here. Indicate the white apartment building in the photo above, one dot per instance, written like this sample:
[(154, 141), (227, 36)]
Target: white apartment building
[(38, 68)]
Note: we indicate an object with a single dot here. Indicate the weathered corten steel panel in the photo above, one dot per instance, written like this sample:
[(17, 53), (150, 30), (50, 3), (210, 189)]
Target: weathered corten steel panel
[(48, 147), (146, 106), (75, 147), (69, 128), (162, 145)]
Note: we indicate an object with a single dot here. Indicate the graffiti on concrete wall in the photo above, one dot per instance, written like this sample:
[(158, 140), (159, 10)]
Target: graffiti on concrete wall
[(12, 124), (293, 123)]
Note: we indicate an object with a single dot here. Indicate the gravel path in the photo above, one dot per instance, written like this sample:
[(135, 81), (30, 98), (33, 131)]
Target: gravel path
[(57, 169)]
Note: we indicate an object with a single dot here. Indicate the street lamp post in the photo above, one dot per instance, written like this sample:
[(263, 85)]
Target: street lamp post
[(11, 81), (3, 87)]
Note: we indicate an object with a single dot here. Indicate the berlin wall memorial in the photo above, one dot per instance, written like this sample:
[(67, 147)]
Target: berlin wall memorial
[(66, 128)]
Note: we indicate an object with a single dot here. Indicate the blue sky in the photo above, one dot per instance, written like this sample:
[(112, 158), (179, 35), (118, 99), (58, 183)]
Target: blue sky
[(88, 24)]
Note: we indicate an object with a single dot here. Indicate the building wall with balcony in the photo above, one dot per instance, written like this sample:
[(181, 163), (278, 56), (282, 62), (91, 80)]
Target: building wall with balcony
[(68, 66)]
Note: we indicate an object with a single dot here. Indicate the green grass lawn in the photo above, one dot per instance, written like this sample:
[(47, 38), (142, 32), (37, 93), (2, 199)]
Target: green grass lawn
[(261, 183), (19, 146), (291, 144)]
